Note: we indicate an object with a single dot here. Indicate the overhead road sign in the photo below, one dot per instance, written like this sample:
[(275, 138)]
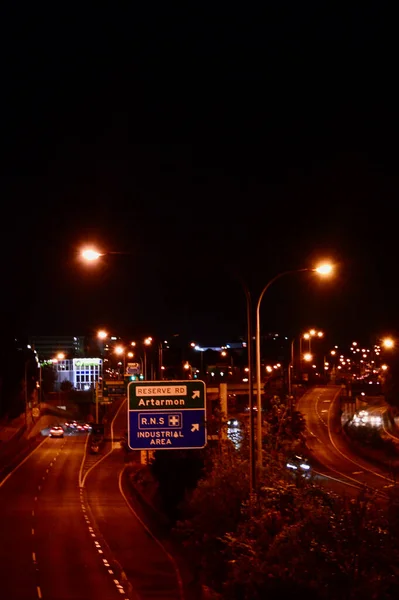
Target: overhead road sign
[(166, 415)]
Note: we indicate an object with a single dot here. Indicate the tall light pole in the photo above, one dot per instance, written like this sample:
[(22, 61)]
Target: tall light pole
[(147, 342), (120, 351), (252, 464), (324, 269), (252, 470), (291, 367)]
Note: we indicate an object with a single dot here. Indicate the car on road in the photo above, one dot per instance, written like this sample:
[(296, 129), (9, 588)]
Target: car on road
[(56, 431), (299, 465)]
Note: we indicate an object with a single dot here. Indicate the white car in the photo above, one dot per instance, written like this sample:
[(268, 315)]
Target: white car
[(56, 431)]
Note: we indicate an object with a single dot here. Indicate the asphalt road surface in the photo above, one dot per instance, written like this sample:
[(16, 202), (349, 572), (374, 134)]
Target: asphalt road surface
[(68, 532), (337, 466)]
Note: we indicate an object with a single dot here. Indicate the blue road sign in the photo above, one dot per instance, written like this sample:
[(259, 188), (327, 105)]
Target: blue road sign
[(166, 415)]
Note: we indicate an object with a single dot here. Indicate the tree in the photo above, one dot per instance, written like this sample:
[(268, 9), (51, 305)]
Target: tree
[(284, 424), (293, 538)]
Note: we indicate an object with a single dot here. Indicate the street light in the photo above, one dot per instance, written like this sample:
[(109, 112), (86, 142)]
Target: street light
[(388, 343), (119, 350), (323, 269), (147, 342), (90, 255)]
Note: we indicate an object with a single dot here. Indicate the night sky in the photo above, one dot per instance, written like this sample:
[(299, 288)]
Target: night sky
[(209, 148)]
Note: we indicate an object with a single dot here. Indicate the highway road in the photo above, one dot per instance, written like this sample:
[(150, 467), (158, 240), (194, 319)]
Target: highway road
[(70, 532), (338, 465)]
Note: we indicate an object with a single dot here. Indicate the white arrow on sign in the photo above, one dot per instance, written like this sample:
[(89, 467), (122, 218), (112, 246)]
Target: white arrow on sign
[(196, 394), (195, 427)]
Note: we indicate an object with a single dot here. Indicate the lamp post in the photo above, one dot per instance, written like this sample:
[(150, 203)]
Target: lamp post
[(290, 367), (252, 470), (121, 352), (147, 342), (324, 269)]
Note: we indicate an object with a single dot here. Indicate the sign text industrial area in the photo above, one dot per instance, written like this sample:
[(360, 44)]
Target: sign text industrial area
[(166, 415)]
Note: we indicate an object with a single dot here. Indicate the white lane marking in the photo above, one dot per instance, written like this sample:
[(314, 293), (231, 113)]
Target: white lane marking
[(394, 437), (110, 571), (39, 487), (359, 485), (82, 464), (33, 531), (39, 592), (2, 482), (318, 413), (326, 401), (33, 557), (347, 457), (82, 481), (35, 498), (33, 513), (357, 472), (100, 551), (156, 540)]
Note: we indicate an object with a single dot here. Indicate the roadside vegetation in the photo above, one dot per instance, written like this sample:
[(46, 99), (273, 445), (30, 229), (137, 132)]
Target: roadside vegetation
[(291, 537)]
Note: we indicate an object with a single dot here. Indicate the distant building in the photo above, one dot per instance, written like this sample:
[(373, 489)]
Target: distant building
[(48, 346), (83, 373)]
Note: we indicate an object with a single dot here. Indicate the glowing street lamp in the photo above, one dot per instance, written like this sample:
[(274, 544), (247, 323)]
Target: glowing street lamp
[(60, 356), (102, 335), (388, 343), (324, 269), (119, 350), (90, 254), (308, 357)]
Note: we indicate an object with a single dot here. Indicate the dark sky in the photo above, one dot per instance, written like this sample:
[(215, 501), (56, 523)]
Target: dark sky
[(209, 147)]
